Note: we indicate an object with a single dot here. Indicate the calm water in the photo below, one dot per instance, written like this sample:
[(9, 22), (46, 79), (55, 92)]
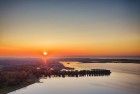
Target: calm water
[(124, 79)]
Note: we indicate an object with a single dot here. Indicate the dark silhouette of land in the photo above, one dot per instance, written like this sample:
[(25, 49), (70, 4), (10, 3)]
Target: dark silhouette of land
[(17, 75), (26, 75)]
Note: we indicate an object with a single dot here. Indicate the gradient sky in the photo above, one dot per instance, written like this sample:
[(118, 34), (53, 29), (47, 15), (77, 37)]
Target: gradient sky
[(70, 27)]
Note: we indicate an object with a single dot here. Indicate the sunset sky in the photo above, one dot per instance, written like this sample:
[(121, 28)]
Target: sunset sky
[(70, 27)]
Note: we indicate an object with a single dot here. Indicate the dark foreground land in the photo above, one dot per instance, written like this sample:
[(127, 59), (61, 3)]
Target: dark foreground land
[(21, 76)]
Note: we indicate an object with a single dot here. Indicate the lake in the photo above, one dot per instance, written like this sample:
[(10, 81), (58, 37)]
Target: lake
[(124, 79)]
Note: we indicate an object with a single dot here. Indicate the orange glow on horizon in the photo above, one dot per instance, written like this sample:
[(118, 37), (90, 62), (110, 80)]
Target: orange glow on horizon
[(5, 51)]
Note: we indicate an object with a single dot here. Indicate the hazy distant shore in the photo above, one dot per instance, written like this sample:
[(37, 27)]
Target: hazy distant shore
[(102, 60)]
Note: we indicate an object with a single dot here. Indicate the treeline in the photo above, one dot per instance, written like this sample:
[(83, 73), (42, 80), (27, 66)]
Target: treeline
[(75, 73), (17, 77)]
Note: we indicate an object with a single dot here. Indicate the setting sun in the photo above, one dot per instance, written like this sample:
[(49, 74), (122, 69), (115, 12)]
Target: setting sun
[(45, 53)]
